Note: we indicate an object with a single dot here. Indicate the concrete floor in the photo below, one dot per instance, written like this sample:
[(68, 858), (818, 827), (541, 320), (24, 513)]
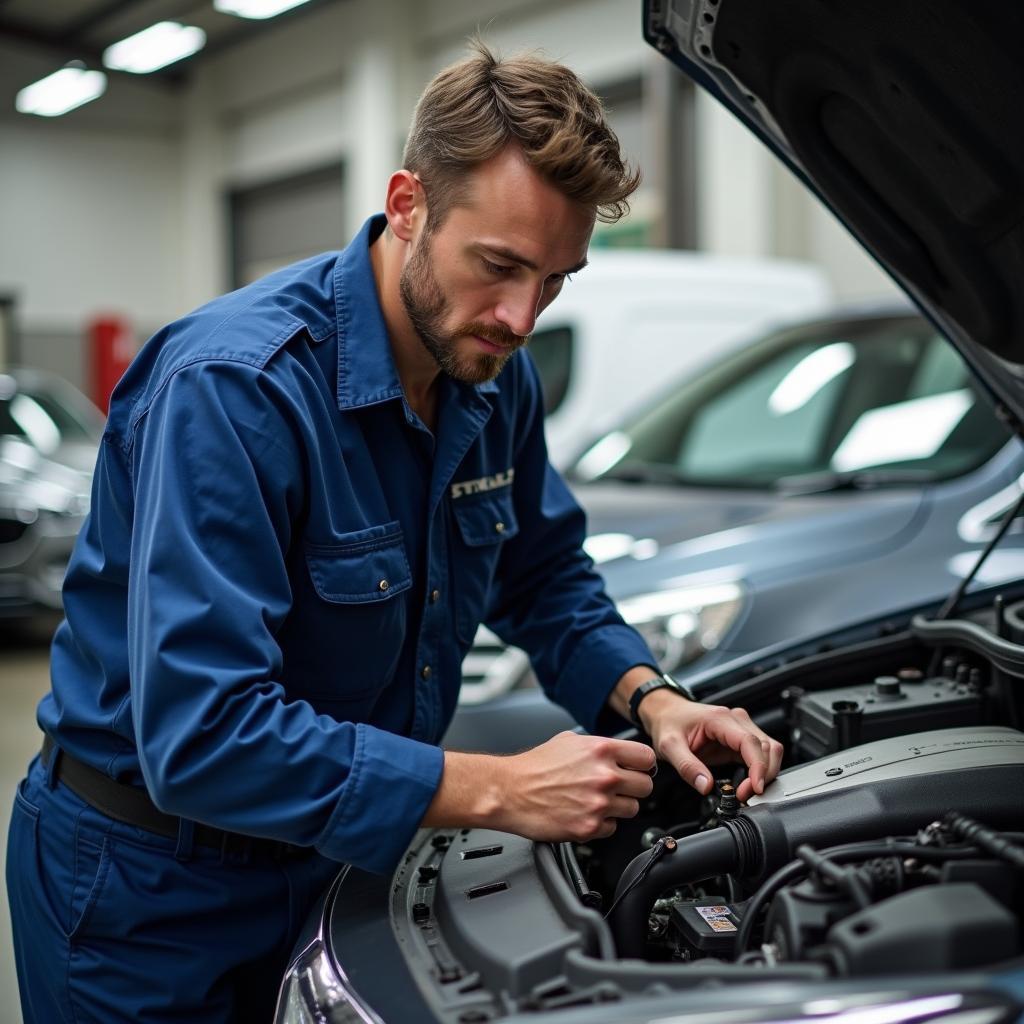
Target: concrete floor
[(24, 678)]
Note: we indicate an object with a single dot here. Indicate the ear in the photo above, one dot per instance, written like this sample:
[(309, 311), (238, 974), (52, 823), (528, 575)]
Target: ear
[(405, 205)]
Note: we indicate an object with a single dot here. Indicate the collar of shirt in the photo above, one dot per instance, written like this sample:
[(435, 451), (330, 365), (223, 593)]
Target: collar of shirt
[(366, 367)]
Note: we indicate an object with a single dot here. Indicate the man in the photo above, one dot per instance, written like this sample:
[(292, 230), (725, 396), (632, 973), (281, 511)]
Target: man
[(309, 494)]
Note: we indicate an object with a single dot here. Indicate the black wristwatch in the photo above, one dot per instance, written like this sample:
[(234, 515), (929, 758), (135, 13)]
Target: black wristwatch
[(657, 683)]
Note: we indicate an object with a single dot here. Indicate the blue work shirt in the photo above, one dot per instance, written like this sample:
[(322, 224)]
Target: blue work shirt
[(282, 569)]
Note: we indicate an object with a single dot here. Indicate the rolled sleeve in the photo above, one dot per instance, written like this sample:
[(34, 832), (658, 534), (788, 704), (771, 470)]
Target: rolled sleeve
[(390, 785)]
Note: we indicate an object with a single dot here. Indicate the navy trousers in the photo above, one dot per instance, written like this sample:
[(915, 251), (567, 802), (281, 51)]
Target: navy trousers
[(112, 923)]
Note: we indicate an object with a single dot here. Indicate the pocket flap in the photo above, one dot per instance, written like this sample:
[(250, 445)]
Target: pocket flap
[(367, 565), (486, 518)]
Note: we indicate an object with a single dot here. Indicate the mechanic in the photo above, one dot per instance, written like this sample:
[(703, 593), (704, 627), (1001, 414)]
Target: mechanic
[(309, 494)]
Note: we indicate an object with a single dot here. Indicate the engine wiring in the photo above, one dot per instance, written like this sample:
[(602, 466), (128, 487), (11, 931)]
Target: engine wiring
[(810, 860), (666, 844)]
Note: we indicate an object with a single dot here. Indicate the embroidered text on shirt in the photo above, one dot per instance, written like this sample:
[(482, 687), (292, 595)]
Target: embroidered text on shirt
[(484, 483)]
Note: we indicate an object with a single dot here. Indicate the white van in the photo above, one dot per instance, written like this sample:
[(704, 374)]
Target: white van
[(634, 319)]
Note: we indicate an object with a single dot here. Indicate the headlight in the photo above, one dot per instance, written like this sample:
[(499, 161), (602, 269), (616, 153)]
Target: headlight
[(681, 625), (314, 993)]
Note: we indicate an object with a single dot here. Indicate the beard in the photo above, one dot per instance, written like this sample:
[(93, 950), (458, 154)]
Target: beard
[(427, 306)]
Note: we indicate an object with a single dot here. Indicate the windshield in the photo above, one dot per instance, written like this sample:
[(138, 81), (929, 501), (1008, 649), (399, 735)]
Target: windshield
[(885, 397)]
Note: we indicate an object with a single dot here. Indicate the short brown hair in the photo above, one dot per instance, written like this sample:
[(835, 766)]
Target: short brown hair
[(475, 108)]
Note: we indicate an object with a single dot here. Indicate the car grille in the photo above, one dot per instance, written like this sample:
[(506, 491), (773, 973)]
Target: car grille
[(491, 669)]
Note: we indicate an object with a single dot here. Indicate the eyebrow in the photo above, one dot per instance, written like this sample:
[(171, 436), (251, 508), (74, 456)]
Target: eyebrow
[(513, 257)]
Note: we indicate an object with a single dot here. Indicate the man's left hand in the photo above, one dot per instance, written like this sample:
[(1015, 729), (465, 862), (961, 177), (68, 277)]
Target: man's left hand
[(692, 736)]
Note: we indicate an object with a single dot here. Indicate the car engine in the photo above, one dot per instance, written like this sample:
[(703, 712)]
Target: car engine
[(890, 847), (892, 842)]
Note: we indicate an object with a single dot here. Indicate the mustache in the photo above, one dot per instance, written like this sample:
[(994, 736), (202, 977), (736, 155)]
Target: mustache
[(493, 333)]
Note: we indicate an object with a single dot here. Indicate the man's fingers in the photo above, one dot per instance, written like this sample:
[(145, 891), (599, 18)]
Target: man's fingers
[(756, 761), (630, 754), (745, 791), (622, 807), (745, 739), (638, 785), (775, 752), (690, 767)]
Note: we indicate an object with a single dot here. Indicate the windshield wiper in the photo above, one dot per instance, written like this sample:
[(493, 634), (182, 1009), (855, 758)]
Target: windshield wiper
[(853, 480)]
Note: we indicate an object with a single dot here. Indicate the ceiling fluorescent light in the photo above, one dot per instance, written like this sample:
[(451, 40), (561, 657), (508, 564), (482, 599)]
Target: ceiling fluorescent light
[(60, 92), (255, 8), (154, 47)]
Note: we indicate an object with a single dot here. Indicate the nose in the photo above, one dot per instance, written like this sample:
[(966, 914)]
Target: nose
[(519, 307)]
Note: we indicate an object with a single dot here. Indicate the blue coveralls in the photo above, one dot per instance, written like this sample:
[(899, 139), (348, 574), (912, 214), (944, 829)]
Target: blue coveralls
[(267, 609)]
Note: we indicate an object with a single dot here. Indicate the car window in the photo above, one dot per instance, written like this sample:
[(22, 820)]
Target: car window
[(873, 394), (552, 351)]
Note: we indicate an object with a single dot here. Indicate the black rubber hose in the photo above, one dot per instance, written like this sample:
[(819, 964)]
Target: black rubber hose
[(571, 868), (703, 855), (988, 839)]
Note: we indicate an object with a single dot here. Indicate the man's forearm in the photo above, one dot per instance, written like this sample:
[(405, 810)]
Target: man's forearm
[(618, 699), (471, 792)]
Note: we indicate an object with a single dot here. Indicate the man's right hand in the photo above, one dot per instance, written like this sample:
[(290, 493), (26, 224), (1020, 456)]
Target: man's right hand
[(572, 787)]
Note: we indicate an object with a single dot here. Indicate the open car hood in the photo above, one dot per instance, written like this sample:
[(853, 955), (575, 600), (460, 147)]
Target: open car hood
[(900, 116)]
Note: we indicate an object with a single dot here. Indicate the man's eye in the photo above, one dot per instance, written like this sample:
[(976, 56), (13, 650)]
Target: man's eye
[(495, 268)]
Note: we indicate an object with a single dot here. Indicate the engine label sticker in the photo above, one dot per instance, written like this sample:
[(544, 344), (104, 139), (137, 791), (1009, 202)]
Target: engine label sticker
[(717, 918)]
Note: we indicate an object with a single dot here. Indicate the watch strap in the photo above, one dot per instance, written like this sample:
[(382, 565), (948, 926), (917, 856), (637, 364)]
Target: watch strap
[(659, 682)]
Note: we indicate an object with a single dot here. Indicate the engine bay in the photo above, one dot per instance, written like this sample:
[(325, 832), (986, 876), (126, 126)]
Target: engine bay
[(892, 842), (889, 849)]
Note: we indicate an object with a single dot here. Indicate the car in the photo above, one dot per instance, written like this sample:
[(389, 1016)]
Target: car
[(49, 434), (756, 499), (667, 308), (879, 878)]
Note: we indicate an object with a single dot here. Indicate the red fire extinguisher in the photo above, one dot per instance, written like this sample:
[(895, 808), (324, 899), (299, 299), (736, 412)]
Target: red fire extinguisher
[(111, 348)]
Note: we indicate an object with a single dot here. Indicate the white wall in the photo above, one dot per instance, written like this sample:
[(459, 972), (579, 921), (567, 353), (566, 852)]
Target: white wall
[(334, 85), (599, 39), (750, 204), (733, 185), (91, 221)]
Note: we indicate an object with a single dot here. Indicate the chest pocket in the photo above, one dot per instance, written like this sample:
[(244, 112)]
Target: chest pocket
[(359, 580), (368, 565), (483, 522)]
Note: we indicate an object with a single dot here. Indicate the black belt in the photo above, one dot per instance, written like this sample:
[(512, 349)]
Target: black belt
[(133, 806)]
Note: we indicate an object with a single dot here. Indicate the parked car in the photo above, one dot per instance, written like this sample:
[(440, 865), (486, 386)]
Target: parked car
[(879, 879), (757, 499), (667, 309), (49, 433)]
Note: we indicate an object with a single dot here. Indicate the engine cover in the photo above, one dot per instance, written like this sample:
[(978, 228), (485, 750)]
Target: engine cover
[(922, 753)]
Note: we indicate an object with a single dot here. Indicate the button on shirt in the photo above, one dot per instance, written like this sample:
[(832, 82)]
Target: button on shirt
[(268, 605)]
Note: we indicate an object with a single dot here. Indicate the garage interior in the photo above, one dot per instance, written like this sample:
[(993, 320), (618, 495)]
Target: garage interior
[(273, 142)]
